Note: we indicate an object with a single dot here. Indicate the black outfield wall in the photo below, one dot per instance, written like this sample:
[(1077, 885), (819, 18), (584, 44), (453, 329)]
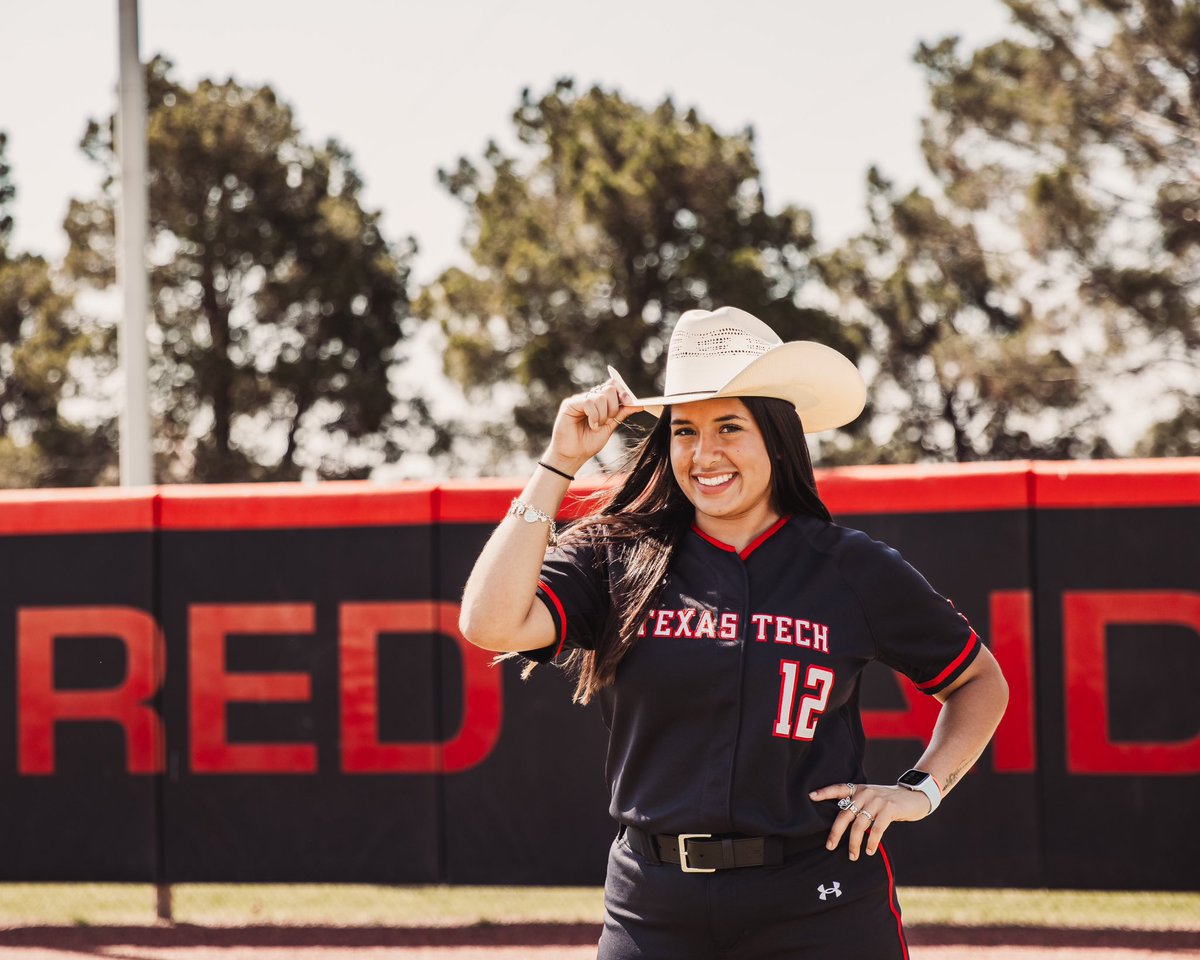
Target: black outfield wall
[(267, 683)]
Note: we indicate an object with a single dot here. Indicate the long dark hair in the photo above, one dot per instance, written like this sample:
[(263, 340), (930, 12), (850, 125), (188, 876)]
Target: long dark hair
[(643, 520)]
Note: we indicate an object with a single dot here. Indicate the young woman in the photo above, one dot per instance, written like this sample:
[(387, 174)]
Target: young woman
[(724, 620)]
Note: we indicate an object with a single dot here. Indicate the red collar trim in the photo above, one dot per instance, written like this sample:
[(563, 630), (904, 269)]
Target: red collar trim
[(713, 540), (750, 547), (764, 537)]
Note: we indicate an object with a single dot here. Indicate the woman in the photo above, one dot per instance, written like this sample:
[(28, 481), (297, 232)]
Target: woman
[(724, 621)]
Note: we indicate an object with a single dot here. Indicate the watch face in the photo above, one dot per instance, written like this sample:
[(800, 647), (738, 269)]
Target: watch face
[(913, 778)]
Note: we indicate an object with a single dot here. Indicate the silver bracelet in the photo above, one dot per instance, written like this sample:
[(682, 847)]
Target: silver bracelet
[(531, 514)]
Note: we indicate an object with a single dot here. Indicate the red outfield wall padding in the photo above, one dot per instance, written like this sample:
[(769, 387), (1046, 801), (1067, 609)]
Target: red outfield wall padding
[(931, 488), (1169, 482), (251, 506), (486, 501), (83, 510), (859, 490)]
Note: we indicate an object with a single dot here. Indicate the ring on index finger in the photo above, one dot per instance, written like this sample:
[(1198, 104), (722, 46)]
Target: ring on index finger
[(851, 787)]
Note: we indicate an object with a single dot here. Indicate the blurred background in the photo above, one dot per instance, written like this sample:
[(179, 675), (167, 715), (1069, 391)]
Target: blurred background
[(387, 238)]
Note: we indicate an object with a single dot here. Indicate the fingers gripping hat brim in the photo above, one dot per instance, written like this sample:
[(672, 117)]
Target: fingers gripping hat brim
[(825, 387)]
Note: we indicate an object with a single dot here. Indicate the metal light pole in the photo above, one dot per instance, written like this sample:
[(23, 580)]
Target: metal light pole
[(132, 217)]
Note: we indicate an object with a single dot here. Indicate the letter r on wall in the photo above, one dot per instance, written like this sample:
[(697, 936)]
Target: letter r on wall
[(40, 706)]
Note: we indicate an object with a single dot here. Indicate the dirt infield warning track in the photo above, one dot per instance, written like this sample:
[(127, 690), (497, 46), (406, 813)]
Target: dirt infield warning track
[(540, 941), (120, 952)]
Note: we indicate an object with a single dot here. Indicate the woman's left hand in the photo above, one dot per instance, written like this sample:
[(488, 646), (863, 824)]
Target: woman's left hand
[(872, 807)]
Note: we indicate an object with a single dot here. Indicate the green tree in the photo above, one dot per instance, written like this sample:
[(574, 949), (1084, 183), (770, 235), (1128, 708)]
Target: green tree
[(1079, 140), (44, 347), (587, 247), (8, 193), (278, 303), (966, 369)]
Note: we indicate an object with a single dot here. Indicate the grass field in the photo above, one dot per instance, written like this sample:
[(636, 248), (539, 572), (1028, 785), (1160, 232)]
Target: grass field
[(23, 905)]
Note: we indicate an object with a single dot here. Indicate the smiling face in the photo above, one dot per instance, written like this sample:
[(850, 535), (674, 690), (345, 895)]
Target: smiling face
[(720, 462)]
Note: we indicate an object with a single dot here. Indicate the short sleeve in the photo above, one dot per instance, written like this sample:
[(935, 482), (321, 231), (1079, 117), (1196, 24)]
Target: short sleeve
[(573, 585), (916, 630)]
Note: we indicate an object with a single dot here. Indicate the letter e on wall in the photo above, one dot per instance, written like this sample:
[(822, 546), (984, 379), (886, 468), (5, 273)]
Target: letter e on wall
[(213, 687)]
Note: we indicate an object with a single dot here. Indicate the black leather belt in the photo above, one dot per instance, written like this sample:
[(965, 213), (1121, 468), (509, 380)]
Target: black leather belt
[(704, 853)]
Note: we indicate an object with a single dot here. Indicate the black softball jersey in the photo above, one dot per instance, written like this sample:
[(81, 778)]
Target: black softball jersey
[(741, 693)]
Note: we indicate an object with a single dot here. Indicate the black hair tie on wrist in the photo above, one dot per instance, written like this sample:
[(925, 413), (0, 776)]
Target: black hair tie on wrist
[(565, 476)]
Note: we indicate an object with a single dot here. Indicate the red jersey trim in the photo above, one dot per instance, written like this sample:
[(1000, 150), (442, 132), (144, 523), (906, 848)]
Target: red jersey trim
[(713, 540), (562, 617), (954, 664), (764, 537), (750, 547), (892, 905)]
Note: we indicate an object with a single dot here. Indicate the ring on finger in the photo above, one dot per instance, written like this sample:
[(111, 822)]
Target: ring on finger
[(845, 804), (851, 787), (865, 813)]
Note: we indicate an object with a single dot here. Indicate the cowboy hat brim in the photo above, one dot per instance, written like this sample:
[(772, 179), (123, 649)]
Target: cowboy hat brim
[(825, 387)]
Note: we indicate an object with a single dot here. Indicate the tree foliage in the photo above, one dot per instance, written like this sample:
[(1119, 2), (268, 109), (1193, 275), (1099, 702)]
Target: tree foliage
[(278, 303), (8, 193), (1080, 137), (1009, 311), (966, 369), (587, 247), (42, 344), (1061, 255)]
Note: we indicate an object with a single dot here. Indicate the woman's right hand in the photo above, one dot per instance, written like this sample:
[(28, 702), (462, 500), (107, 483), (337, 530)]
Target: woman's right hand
[(585, 423)]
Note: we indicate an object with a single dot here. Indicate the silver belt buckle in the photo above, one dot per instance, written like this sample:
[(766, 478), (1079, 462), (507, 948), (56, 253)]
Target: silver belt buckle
[(683, 861)]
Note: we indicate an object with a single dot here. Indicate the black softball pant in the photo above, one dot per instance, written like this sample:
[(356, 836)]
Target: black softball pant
[(816, 905)]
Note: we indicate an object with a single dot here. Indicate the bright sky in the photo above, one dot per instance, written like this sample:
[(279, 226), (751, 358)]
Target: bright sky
[(410, 86)]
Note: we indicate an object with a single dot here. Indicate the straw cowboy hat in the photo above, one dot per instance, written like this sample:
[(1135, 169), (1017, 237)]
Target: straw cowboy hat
[(731, 353)]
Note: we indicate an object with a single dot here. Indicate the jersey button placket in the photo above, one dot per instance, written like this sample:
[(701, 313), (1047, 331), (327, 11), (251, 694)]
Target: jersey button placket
[(740, 692), (726, 696)]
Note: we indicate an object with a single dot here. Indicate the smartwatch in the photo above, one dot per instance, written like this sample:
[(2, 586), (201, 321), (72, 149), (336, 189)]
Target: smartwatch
[(921, 782)]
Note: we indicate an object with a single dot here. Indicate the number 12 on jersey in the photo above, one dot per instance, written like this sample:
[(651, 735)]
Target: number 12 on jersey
[(812, 706)]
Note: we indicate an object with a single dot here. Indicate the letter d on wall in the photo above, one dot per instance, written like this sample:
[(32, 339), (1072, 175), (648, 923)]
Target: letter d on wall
[(1086, 615), (362, 752)]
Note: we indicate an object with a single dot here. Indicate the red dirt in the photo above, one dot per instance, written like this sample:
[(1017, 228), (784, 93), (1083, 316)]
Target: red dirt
[(534, 941)]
